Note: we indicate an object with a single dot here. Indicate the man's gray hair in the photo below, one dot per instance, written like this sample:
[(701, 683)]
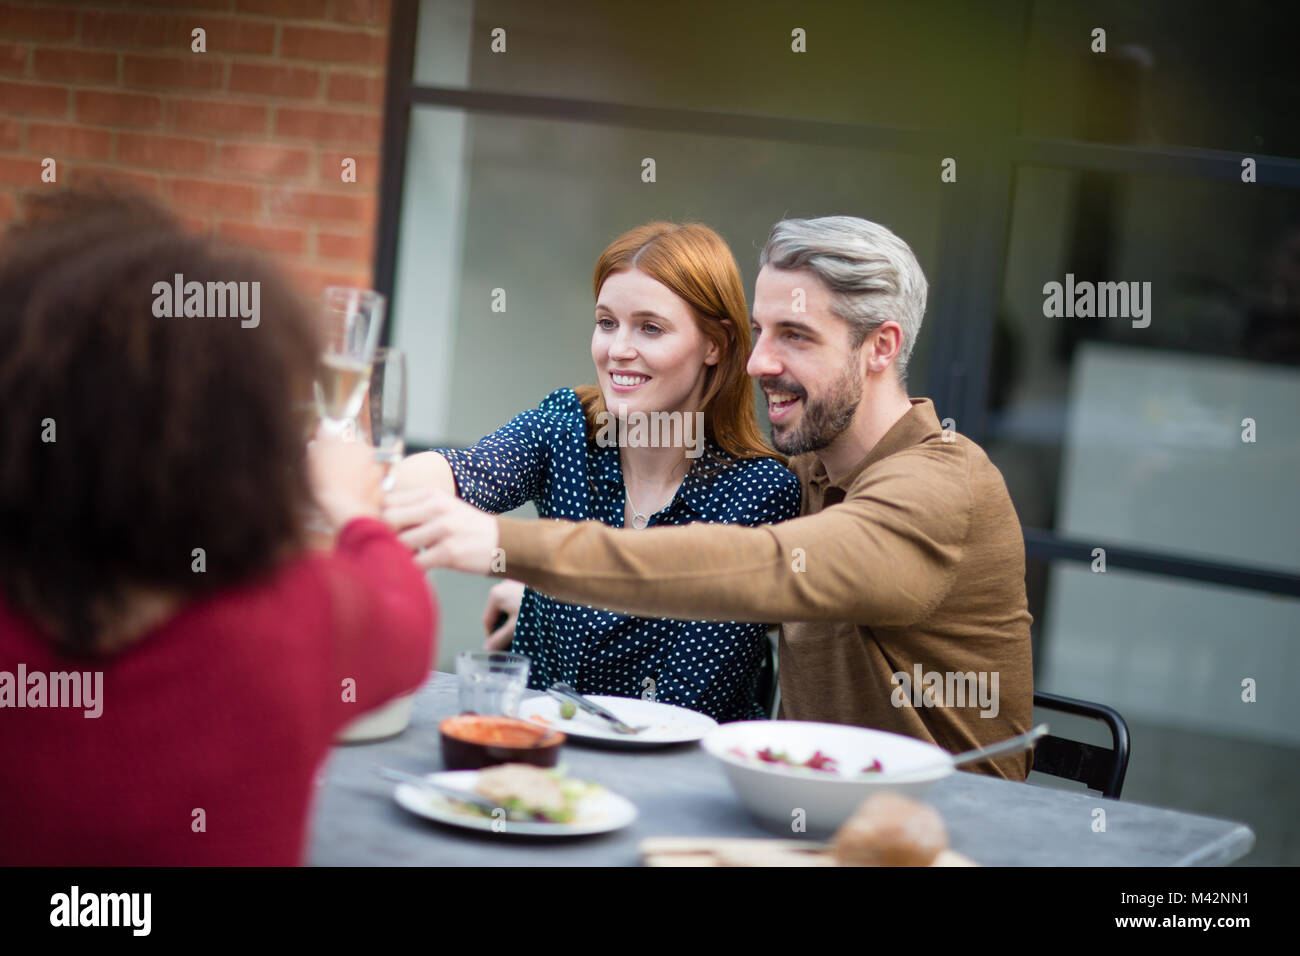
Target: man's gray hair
[(872, 274)]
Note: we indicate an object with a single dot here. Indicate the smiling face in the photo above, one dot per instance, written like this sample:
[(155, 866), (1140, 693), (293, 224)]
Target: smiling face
[(650, 355), (803, 361)]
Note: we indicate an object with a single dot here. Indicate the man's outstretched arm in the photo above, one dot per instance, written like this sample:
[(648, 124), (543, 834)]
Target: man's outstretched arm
[(885, 556)]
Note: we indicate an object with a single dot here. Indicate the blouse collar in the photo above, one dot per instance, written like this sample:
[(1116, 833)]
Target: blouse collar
[(695, 490)]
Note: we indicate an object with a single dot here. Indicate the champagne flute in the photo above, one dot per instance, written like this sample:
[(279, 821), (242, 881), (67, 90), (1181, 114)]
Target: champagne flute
[(353, 319), (388, 409)]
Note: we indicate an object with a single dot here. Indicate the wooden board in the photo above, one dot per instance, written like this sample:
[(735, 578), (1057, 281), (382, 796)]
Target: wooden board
[(695, 851)]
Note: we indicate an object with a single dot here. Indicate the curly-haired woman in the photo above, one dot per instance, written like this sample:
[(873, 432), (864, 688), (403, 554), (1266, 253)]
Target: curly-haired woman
[(152, 487)]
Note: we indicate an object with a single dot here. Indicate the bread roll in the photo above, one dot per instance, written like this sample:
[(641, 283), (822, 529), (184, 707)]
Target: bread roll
[(890, 830)]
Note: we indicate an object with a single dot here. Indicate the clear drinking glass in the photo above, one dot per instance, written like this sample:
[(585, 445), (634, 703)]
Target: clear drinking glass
[(491, 682), (388, 408), (352, 321)]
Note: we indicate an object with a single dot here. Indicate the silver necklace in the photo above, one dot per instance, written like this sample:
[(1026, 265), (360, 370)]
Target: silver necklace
[(640, 520)]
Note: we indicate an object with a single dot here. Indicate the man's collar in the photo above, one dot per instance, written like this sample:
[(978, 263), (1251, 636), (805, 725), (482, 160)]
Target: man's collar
[(916, 424)]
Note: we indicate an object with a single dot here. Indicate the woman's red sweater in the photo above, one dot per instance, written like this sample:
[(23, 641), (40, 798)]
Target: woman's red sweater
[(214, 725)]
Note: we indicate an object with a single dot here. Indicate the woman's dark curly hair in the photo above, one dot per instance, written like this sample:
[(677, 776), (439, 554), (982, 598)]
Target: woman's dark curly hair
[(127, 441)]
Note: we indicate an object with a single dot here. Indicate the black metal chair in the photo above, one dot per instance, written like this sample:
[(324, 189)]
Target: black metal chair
[(1096, 767), (767, 679)]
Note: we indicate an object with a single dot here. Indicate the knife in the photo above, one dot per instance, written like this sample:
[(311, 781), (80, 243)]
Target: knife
[(464, 796), (562, 691)]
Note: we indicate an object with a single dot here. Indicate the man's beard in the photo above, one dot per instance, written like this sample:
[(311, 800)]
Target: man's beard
[(824, 420)]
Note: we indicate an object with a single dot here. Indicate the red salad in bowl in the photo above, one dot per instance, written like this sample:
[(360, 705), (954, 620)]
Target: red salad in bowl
[(818, 761)]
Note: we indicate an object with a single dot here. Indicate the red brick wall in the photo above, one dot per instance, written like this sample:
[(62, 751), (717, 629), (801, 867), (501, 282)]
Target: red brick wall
[(244, 141)]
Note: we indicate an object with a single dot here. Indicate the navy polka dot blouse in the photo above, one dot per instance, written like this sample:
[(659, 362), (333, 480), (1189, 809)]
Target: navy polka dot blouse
[(543, 456)]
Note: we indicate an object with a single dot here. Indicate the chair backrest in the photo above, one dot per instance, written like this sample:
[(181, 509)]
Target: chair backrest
[(1096, 767), (767, 679)]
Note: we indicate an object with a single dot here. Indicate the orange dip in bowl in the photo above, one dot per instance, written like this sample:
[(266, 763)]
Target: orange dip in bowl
[(471, 741)]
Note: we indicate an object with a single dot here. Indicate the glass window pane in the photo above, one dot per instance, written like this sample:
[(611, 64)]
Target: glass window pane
[(1175, 72), (1171, 656), (1173, 430), (526, 206), (1171, 651), (941, 63)]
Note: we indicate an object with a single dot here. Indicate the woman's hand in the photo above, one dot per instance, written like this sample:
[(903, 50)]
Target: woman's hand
[(504, 598), (345, 480), (443, 531)]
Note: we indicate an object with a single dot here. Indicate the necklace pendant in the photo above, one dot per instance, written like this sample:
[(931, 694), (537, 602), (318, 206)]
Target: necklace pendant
[(639, 520)]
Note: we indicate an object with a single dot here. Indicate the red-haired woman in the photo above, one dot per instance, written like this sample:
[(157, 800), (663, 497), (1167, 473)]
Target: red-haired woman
[(670, 344)]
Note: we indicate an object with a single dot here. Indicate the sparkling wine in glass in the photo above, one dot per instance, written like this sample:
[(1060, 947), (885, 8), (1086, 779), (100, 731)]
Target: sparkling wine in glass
[(353, 319), (388, 408)]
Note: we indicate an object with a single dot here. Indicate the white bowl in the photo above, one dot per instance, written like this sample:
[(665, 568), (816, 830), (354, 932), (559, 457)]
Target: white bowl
[(383, 722), (776, 794)]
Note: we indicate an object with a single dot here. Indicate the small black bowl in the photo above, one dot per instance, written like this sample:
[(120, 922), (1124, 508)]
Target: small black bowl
[(472, 741)]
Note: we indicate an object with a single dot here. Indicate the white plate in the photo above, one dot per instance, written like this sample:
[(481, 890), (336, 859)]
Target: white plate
[(598, 812), (667, 724)]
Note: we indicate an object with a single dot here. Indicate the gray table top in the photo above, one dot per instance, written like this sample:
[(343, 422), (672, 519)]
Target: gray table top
[(680, 791)]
